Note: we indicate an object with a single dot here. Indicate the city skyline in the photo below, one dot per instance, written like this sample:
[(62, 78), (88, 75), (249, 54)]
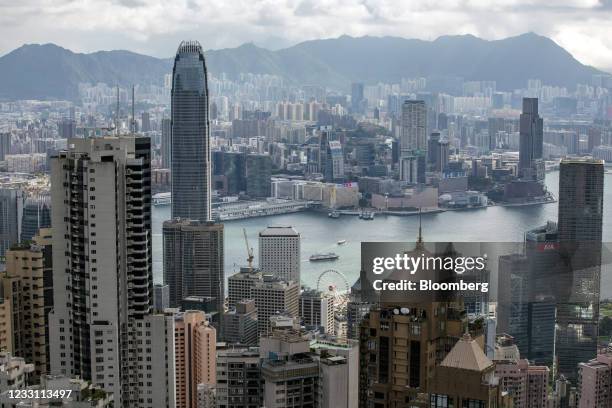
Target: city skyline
[(244, 239)]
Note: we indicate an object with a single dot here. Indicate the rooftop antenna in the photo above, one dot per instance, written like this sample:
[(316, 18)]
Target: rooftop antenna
[(419, 242), (133, 124), (117, 114)]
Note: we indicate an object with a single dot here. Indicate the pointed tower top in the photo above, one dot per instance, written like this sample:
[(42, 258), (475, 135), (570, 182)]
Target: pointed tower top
[(419, 243)]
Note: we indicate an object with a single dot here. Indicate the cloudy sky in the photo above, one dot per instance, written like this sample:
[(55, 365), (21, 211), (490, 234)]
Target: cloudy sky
[(155, 27)]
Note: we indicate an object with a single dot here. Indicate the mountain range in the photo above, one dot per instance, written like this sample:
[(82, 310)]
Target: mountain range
[(49, 71)]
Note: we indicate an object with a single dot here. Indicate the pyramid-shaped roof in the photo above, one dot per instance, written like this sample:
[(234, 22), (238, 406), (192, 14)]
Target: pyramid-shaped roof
[(467, 355)]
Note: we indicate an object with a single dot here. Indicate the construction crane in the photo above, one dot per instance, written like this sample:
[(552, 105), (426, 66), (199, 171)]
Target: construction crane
[(249, 250)]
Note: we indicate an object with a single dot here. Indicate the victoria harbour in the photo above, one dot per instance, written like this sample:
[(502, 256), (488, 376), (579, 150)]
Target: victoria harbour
[(321, 234)]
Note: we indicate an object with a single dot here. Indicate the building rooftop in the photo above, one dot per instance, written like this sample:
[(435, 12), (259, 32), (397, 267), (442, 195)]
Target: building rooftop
[(467, 355), (581, 160), (279, 231)]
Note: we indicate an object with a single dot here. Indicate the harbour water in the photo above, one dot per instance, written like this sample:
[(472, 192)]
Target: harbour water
[(321, 234)]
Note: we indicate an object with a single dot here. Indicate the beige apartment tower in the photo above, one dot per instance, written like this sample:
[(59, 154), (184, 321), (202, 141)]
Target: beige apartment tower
[(195, 356), (23, 309)]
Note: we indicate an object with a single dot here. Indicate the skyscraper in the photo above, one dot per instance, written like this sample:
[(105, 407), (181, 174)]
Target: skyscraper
[(193, 260), (190, 147), (5, 145), (413, 140), (432, 148), (195, 351), (414, 126), (334, 165), (356, 97), (581, 194), (442, 156), (11, 211), (66, 128), (25, 306), (531, 166), (258, 175), (145, 122), (36, 215), (102, 273), (279, 253), (166, 142), (496, 125), (273, 296)]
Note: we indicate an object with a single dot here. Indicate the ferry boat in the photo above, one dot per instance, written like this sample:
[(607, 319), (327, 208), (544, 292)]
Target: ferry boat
[(162, 198), (366, 215), (334, 214), (329, 256), (341, 242)]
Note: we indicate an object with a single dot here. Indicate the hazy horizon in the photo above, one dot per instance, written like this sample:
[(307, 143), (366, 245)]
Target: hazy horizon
[(155, 27)]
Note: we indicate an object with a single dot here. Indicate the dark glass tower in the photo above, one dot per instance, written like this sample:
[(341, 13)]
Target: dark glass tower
[(531, 143), (190, 149), (581, 193)]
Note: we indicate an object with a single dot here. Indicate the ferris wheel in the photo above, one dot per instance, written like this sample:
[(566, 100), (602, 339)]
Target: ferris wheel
[(334, 283)]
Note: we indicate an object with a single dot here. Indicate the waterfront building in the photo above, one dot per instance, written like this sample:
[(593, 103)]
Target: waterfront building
[(193, 260), (280, 252), (229, 172), (334, 162), (190, 135), (258, 175), (531, 165)]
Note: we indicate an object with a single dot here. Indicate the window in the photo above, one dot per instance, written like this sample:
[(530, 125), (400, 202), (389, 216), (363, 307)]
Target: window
[(470, 403), (440, 401)]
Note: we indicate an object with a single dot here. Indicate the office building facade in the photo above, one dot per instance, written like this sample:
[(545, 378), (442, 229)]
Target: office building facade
[(531, 165), (279, 252), (193, 260), (190, 135)]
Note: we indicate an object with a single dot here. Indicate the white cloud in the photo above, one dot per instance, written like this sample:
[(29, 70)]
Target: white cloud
[(156, 26)]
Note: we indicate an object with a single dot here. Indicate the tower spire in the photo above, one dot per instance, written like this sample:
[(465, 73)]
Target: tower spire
[(133, 124), (117, 114), (419, 243)]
